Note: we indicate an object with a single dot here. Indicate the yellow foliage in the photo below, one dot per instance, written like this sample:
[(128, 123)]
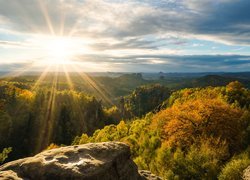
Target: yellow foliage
[(84, 139), (25, 94), (52, 146), (183, 123), (122, 128), (234, 86)]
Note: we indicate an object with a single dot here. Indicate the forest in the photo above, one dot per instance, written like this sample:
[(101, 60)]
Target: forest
[(198, 130), (200, 133)]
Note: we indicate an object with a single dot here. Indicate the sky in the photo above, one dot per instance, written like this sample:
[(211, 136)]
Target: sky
[(125, 36)]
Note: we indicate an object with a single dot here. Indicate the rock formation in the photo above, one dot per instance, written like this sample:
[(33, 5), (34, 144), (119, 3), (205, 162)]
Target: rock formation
[(105, 161), (246, 173)]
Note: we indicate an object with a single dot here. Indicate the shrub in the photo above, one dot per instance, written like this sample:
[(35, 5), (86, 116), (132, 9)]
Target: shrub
[(233, 170), (4, 154)]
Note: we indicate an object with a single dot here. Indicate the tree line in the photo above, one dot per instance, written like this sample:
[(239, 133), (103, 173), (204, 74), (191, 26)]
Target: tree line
[(31, 119)]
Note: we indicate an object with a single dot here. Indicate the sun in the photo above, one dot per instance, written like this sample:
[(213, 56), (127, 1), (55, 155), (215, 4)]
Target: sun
[(60, 50)]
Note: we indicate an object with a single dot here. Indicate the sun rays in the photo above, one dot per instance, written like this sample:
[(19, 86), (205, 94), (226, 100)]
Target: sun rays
[(58, 50), (46, 16), (47, 129), (93, 84)]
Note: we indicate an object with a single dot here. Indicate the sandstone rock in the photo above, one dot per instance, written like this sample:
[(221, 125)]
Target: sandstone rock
[(7, 175), (106, 161), (246, 173), (148, 175)]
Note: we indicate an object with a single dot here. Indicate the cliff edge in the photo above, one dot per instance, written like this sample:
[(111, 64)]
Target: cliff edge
[(93, 161)]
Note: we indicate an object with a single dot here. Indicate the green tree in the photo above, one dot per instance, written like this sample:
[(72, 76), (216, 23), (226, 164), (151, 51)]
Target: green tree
[(6, 127), (234, 168)]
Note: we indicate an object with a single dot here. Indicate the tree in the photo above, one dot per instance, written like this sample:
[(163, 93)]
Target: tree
[(236, 93), (143, 100), (65, 125), (5, 127), (194, 120)]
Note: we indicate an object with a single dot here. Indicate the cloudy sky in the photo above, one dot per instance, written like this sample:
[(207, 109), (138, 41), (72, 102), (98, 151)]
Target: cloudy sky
[(133, 35)]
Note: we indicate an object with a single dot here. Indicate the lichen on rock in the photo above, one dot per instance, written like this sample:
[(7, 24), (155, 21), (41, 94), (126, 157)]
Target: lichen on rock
[(106, 161)]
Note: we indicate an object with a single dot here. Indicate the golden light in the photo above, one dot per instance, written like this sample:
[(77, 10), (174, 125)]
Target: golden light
[(60, 50)]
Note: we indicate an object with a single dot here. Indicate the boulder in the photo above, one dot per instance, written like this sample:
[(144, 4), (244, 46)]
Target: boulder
[(246, 173), (106, 161)]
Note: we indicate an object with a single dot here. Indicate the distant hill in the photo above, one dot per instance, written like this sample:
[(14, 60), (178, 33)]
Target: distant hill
[(217, 80)]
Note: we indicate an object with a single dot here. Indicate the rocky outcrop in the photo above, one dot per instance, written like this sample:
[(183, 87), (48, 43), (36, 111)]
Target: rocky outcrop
[(9, 175), (146, 175), (246, 173), (106, 161)]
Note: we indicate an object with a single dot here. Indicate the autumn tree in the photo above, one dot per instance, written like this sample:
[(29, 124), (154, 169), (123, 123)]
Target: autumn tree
[(185, 123), (236, 93)]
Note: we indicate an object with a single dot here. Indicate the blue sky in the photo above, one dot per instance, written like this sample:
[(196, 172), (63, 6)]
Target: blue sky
[(115, 35)]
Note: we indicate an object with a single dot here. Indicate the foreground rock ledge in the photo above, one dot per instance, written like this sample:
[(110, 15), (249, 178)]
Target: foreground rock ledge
[(106, 161)]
